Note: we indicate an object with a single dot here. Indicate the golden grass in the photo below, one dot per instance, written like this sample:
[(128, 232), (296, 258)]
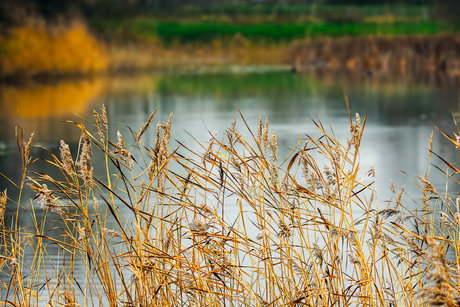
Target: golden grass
[(38, 49), (153, 56), (229, 224)]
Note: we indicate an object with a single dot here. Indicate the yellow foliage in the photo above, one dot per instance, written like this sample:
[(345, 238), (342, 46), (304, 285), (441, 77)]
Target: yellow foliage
[(35, 49), (30, 50)]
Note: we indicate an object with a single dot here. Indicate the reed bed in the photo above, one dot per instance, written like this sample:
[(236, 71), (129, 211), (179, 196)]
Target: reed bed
[(230, 224), (400, 55)]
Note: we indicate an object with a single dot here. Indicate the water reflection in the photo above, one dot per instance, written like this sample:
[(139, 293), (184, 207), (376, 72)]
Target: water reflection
[(400, 117), (37, 107)]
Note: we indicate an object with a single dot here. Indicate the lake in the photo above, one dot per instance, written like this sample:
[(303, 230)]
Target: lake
[(400, 119)]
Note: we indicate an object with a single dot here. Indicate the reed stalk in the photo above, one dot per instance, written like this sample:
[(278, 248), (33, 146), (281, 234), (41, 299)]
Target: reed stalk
[(230, 224)]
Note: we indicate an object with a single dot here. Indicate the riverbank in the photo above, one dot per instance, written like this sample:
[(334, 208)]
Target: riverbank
[(38, 51)]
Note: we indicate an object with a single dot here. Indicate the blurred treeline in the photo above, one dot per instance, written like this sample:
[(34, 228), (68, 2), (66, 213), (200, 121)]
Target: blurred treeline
[(12, 11), (73, 37), (221, 21)]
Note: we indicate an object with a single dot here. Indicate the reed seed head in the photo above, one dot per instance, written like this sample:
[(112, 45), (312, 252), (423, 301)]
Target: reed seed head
[(162, 151), (27, 147), (297, 269), (386, 213), (224, 263), (45, 199), (261, 235), (457, 218), (274, 144), (274, 175), (100, 131), (444, 221), (145, 126), (318, 253), (354, 260), (151, 169), (13, 266), (427, 186), (371, 172), (167, 241), (104, 117), (356, 132), (123, 151), (208, 152), (167, 129), (284, 232), (84, 163), (83, 234), (198, 227), (66, 158), (260, 131), (329, 175), (265, 140), (206, 209), (232, 134), (121, 143), (392, 187), (3, 199), (112, 233)]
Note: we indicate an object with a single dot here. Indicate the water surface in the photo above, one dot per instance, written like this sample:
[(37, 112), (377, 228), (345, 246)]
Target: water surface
[(400, 119)]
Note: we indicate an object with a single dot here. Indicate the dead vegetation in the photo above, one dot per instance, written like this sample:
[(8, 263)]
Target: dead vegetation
[(230, 224), (400, 55)]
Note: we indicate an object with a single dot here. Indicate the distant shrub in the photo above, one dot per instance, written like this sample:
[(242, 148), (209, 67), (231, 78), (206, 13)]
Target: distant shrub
[(31, 50)]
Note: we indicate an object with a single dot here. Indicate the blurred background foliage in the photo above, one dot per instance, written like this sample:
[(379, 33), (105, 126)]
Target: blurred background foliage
[(100, 12), (135, 33)]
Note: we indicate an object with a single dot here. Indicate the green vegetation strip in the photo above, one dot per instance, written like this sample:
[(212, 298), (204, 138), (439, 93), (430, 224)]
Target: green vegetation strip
[(206, 32)]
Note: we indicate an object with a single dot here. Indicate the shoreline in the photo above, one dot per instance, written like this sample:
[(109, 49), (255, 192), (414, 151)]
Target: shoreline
[(437, 79), (50, 79), (50, 55)]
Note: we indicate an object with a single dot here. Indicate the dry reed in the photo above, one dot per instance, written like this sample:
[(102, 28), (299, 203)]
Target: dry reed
[(299, 235), (398, 55)]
